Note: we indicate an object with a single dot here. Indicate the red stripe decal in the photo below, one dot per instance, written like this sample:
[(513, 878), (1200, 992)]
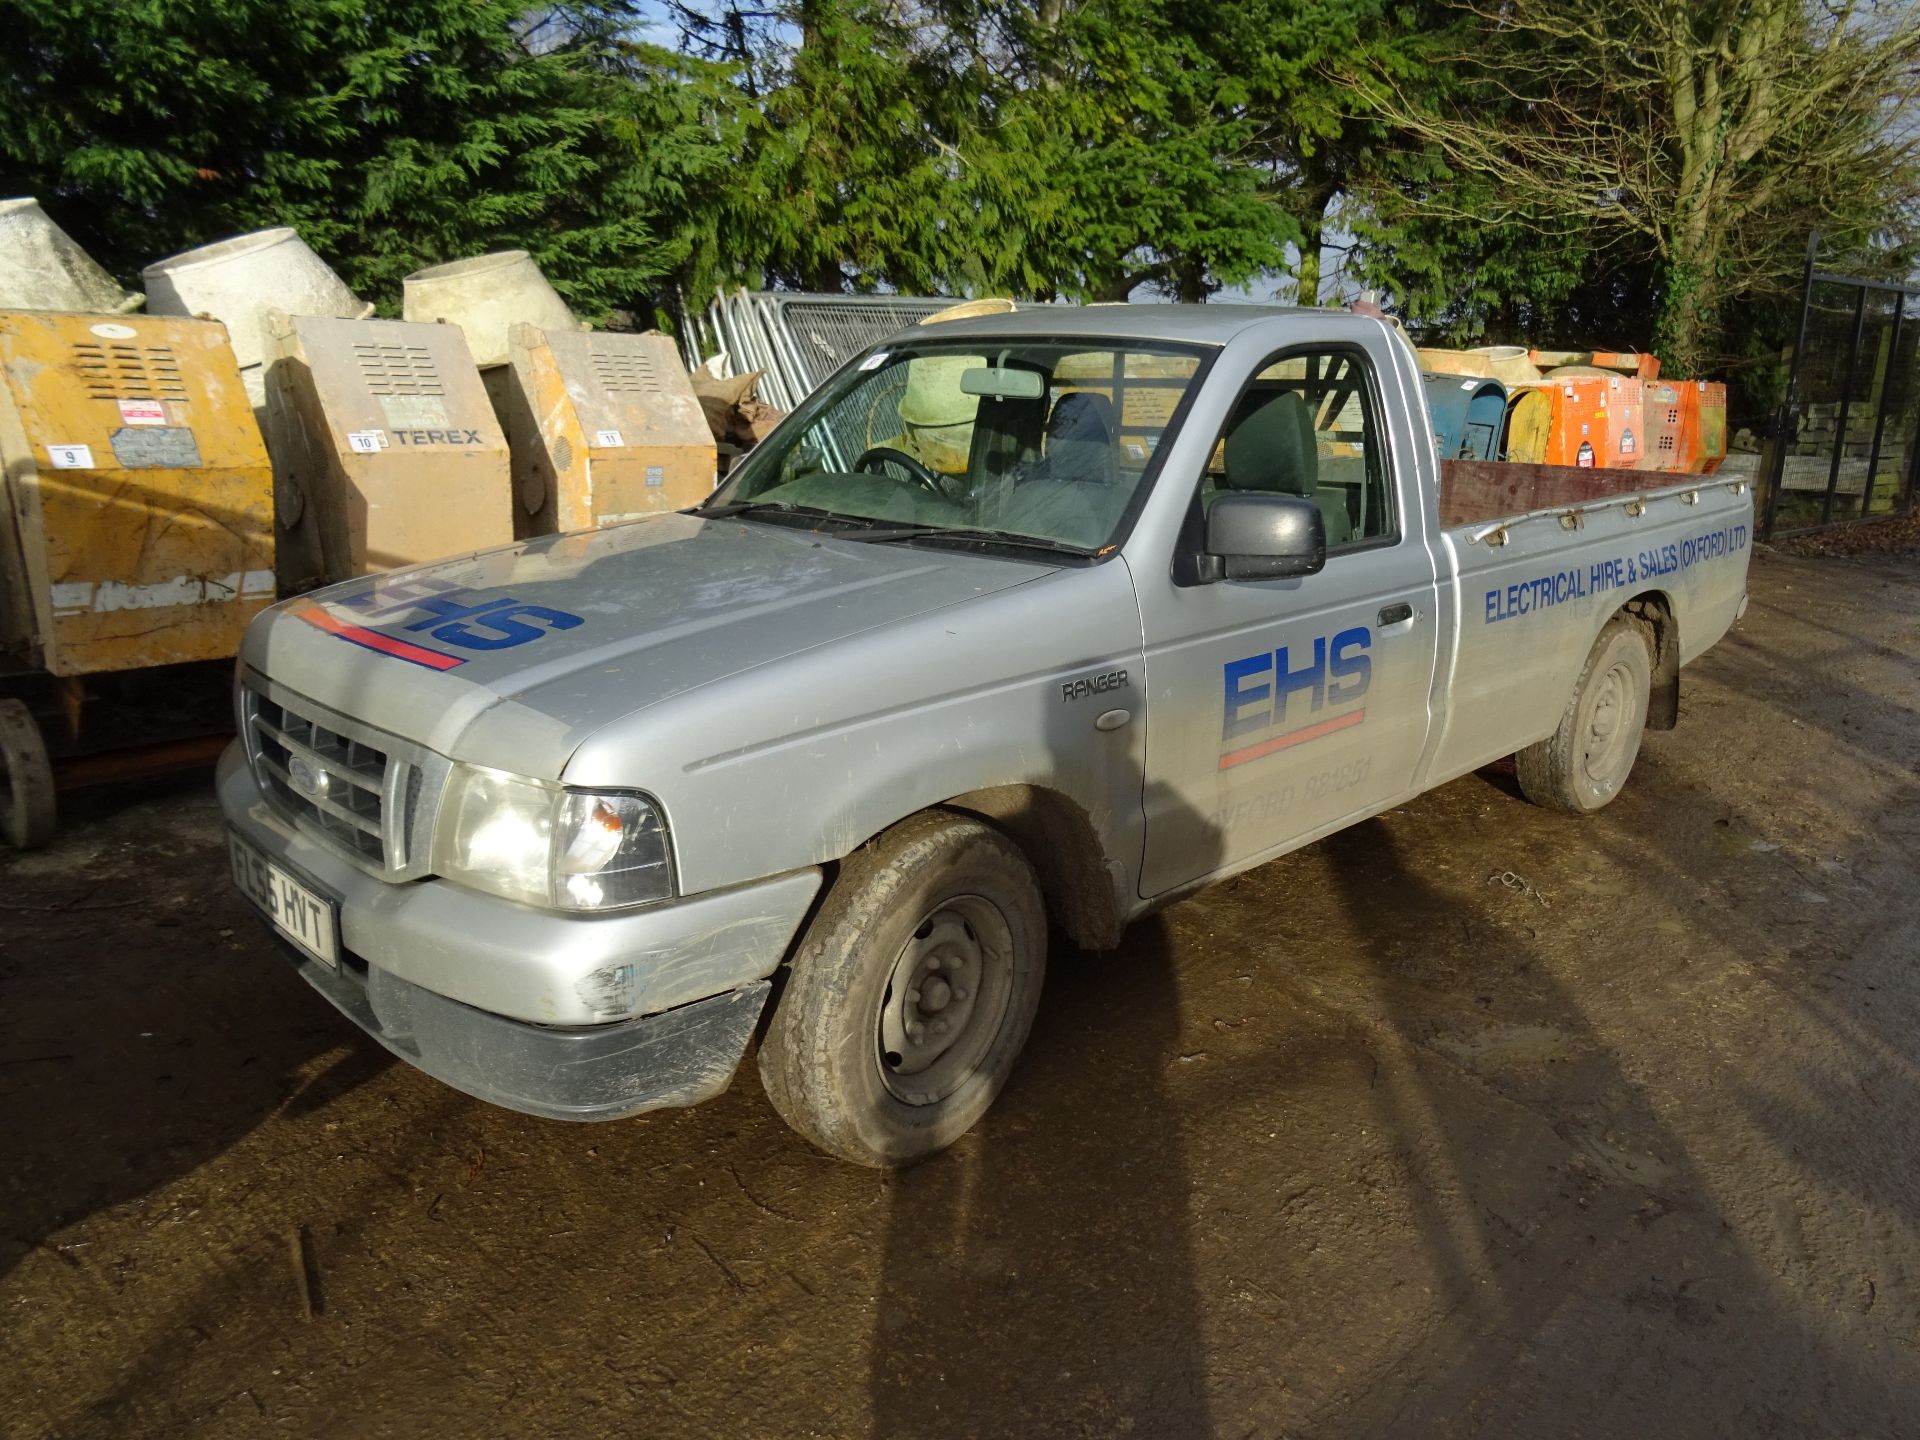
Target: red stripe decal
[(1291, 738), (374, 640)]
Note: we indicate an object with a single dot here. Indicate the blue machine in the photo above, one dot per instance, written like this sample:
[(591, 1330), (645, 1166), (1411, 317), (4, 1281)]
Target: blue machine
[(1468, 415)]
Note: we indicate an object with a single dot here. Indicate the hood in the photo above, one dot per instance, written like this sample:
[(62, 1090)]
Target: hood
[(552, 638)]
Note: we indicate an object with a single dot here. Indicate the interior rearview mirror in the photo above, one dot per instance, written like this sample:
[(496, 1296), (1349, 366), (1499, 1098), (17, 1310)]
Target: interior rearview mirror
[(1256, 535), (1000, 382)]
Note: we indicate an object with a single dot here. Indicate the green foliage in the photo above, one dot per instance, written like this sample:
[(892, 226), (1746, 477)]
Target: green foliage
[(391, 133), (850, 179), (1133, 160), (1687, 148), (1086, 149)]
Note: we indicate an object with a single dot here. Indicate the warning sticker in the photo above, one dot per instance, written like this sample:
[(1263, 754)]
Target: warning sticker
[(366, 442), (607, 440), (71, 457), (142, 412), (656, 474)]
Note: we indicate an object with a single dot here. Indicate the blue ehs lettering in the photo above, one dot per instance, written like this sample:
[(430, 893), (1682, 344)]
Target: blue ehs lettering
[(507, 631), (1240, 696), (1339, 671), (1354, 673), (495, 624), (1313, 677)]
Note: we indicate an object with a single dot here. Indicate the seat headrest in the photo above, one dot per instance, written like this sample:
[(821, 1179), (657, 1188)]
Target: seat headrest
[(1080, 438), (1272, 448)]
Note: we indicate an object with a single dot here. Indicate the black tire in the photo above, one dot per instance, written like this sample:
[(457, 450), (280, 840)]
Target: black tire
[(851, 1060), (1582, 766), (26, 780)]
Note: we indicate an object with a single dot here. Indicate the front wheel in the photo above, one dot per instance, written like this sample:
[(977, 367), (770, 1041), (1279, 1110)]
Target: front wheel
[(912, 993), (1583, 764)]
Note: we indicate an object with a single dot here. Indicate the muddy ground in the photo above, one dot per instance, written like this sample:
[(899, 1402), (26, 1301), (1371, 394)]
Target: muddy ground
[(1471, 1120)]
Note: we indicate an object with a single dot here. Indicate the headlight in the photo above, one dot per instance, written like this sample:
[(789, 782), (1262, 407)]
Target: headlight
[(542, 845)]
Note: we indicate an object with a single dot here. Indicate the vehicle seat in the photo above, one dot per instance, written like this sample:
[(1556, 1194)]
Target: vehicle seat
[(1079, 444), (1272, 449)]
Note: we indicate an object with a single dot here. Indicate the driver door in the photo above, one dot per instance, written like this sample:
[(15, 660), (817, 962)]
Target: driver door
[(1284, 707)]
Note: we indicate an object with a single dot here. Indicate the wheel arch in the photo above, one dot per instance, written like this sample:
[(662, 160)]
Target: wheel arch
[(1654, 609), (1059, 840)]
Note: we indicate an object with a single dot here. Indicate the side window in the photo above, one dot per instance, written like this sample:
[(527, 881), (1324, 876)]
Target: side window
[(1306, 426)]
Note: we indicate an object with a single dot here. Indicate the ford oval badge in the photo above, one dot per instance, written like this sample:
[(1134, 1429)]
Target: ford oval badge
[(308, 778)]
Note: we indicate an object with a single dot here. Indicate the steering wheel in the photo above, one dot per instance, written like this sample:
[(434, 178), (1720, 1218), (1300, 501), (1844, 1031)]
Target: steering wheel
[(918, 472)]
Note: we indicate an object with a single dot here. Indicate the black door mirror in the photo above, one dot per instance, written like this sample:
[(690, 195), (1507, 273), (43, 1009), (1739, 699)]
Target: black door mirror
[(1257, 535)]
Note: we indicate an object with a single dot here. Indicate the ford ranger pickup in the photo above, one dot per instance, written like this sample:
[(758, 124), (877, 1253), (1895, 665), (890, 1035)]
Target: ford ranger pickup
[(1029, 622)]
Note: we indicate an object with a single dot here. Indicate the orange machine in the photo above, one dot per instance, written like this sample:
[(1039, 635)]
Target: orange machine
[(1673, 432), (1596, 421), (1707, 399)]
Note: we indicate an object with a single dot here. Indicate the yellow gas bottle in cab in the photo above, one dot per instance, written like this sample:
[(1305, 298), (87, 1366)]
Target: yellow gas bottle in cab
[(137, 523)]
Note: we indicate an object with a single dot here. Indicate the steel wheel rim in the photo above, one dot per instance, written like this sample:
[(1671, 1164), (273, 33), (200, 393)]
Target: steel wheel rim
[(1610, 728), (945, 1001)]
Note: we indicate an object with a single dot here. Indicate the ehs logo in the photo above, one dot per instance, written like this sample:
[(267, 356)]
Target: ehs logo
[(450, 614), (1261, 688)]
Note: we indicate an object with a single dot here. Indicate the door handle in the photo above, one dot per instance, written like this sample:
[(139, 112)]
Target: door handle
[(1394, 614)]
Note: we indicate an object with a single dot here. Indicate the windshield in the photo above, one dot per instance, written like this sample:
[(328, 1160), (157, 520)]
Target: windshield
[(1035, 440)]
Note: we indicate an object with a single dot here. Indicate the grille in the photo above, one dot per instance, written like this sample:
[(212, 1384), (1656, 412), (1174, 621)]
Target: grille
[(398, 369), (126, 371), (336, 783), (623, 372)]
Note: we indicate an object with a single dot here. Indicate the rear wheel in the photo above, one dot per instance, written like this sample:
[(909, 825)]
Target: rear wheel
[(26, 780), (911, 994), (1582, 765)]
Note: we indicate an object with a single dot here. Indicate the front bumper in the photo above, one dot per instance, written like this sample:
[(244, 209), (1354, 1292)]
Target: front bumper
[(598, 1072), (573, 1017)]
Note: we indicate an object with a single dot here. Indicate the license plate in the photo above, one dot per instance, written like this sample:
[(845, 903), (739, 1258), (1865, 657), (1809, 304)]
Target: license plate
[(304, 917)]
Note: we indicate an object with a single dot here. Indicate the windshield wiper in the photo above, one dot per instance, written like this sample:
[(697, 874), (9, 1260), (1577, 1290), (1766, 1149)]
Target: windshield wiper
[(782, 512), (754, 507), (873, 531), (886, 535)]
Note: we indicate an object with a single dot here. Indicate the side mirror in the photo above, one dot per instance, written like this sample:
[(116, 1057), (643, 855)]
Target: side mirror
[(1262, 536)]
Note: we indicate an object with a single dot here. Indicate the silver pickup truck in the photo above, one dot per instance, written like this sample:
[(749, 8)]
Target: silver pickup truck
[(1046, 618)]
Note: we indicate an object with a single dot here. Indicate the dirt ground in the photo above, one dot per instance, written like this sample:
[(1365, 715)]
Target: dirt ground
[(1471, 1120)]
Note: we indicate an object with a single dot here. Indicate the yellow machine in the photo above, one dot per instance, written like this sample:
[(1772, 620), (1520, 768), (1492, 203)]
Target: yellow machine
[(1529, 422), (137, 523), (386, 450), (604, 428)]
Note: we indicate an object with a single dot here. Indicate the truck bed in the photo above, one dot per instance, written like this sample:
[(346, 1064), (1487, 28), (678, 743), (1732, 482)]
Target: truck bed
[(1479, 492), (1541, 554)]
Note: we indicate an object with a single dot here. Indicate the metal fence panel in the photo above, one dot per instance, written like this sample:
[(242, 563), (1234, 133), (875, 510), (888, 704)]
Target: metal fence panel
[(1848, 433), (800, 339)]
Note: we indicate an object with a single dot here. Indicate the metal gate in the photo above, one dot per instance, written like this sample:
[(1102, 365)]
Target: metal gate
[(1847, 440), (798, 339)]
